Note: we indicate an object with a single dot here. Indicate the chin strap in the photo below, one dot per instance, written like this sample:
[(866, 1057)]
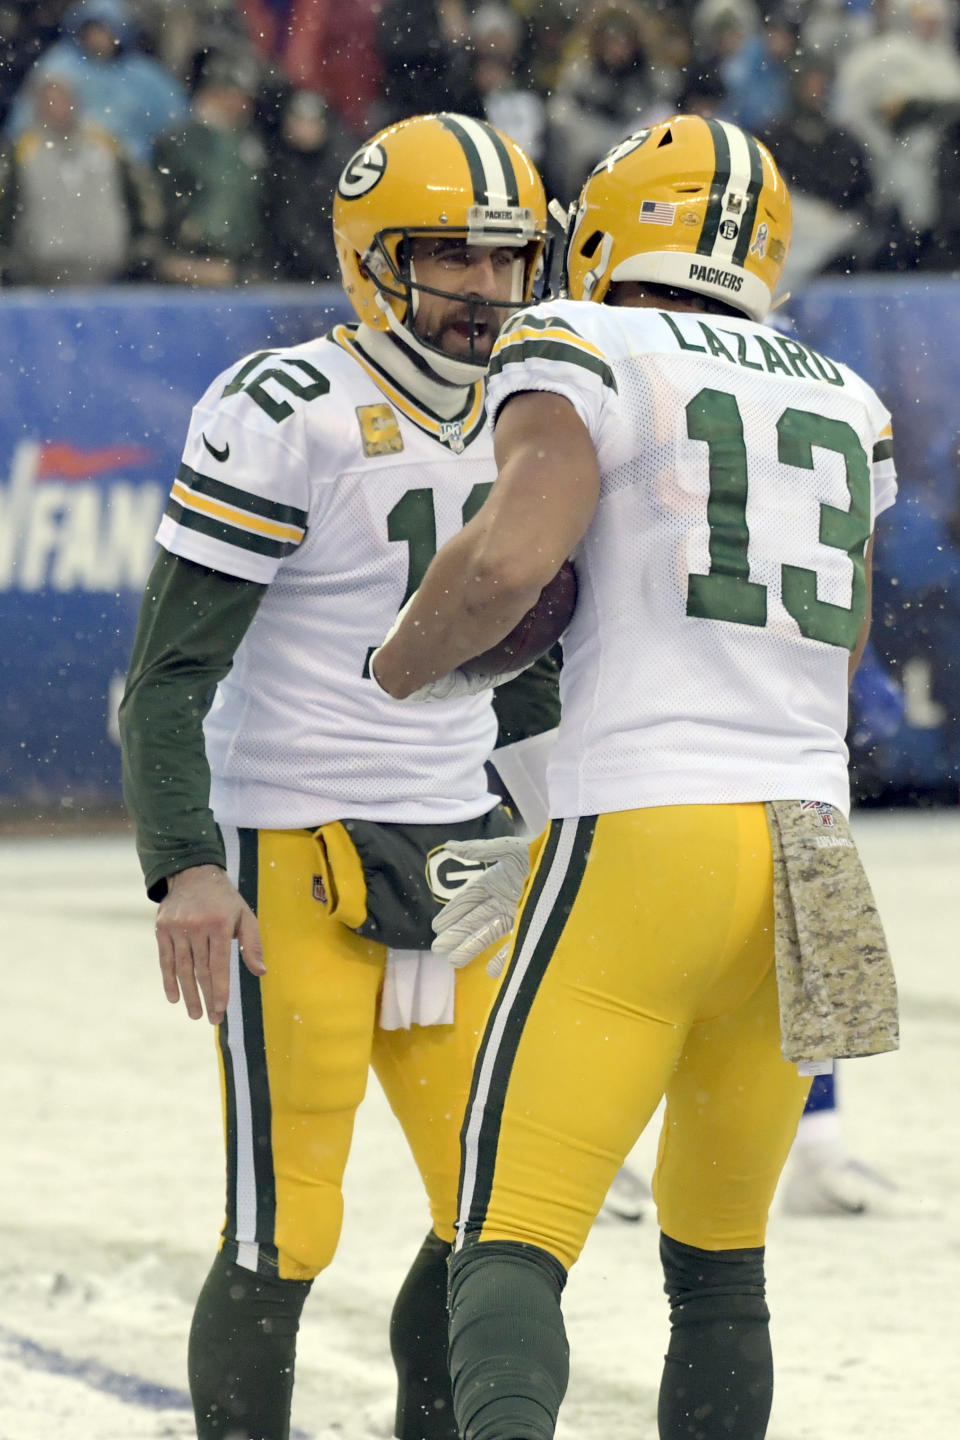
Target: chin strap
[(445, 367), (593, 277), (562, 214)]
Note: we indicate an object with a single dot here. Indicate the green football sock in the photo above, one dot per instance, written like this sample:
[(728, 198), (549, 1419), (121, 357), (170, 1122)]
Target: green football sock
[(418, 1342), (718, 1375), (241, 1354), (509, 1360)]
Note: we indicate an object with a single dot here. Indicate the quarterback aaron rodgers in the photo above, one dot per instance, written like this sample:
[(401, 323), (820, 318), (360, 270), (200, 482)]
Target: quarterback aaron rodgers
[(291, 820)]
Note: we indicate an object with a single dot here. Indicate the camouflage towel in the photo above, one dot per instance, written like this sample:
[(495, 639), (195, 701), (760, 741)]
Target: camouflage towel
[(838, 994)]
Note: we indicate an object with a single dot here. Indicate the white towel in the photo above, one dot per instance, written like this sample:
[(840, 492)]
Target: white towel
[(522, 766), (417, 990)]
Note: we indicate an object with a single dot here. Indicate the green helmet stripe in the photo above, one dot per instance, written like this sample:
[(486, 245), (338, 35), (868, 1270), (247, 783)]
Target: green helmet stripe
[(491, 170), (509, 173), (718, 188), (753, 198)]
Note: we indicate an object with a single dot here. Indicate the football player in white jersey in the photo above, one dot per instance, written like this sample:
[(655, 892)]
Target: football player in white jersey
[(715, 484), (293, 829)]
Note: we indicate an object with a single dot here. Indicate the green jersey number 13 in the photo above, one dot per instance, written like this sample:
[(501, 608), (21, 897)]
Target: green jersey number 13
[(726, 592)]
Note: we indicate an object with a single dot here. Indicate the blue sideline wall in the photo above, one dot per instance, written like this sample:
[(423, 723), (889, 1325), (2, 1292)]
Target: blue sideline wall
[(97, 397)]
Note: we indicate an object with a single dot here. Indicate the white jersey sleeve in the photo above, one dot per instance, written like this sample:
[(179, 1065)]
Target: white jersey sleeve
[(241, 499), (882, 461), (542, 350)]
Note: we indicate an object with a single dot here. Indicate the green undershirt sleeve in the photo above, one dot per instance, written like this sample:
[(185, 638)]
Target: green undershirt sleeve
[(191, 621), (529, 704)]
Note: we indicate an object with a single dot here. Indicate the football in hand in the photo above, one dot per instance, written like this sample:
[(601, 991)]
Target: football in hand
[(535, 633)]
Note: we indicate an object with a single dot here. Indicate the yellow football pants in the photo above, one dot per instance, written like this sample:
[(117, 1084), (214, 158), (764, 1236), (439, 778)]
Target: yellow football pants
[(642, 967), (295, 1052)]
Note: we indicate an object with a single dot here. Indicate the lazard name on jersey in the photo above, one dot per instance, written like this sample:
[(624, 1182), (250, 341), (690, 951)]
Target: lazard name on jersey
[(774, 353)]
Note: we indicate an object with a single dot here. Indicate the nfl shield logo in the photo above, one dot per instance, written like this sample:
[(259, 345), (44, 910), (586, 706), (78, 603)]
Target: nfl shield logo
[(319, 889), (819, 808), (451, 434)]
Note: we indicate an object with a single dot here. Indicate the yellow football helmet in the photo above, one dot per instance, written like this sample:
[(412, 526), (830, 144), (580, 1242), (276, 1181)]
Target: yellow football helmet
[(441, 174), (691, 203)]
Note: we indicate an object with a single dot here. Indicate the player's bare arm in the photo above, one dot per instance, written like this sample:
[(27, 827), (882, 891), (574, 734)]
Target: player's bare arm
[(481, 583), (198, 919)]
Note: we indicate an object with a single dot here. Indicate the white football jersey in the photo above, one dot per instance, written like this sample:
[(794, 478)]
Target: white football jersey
[(310, 471), (721, 581)]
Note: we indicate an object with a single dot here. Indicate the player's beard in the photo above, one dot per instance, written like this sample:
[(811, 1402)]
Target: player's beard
[(467, 331)]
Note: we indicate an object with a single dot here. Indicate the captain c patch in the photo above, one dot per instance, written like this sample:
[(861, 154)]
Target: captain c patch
[(379, 429)]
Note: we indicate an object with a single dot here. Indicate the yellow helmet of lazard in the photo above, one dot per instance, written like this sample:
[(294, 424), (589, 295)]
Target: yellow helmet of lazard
[(691, 203)]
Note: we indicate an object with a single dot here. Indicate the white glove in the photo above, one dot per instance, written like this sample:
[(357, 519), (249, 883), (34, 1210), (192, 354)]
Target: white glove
[(454, 686), (485, 909)]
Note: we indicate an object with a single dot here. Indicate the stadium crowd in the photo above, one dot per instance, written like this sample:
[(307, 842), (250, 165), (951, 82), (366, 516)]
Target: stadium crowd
[(198, 141)]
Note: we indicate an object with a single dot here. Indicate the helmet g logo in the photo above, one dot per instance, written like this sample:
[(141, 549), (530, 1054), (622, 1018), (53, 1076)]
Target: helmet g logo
[(362, 172), (626, 147)]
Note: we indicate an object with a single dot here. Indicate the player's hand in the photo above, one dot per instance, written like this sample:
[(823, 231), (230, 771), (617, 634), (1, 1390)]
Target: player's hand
[(198, 918), (485, 909), (454, 686), (445, 687)]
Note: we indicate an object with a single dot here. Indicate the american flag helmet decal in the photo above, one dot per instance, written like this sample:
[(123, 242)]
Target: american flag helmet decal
[(657, 212)]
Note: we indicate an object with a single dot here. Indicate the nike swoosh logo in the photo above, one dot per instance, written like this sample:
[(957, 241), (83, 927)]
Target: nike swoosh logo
[(220, 455)]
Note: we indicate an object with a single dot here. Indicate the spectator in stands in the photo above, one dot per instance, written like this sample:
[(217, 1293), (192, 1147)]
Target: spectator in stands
[(896, 92), (425, 51), (176, 32), (331, 47), (719, 27), (73, 208), (833, 27), (608, 90), (944, 251), (703, 94), (753, 59), (829, 178), (126, 92), (25, 32), (508, 103), (213, 181), (669, 45), (548, 24), (311, 149)]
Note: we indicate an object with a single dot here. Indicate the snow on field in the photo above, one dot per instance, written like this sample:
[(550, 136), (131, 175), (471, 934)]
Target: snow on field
[(111, 1194)]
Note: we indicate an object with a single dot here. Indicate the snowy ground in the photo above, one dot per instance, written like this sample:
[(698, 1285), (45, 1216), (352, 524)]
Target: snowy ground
[(111, 1194)]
